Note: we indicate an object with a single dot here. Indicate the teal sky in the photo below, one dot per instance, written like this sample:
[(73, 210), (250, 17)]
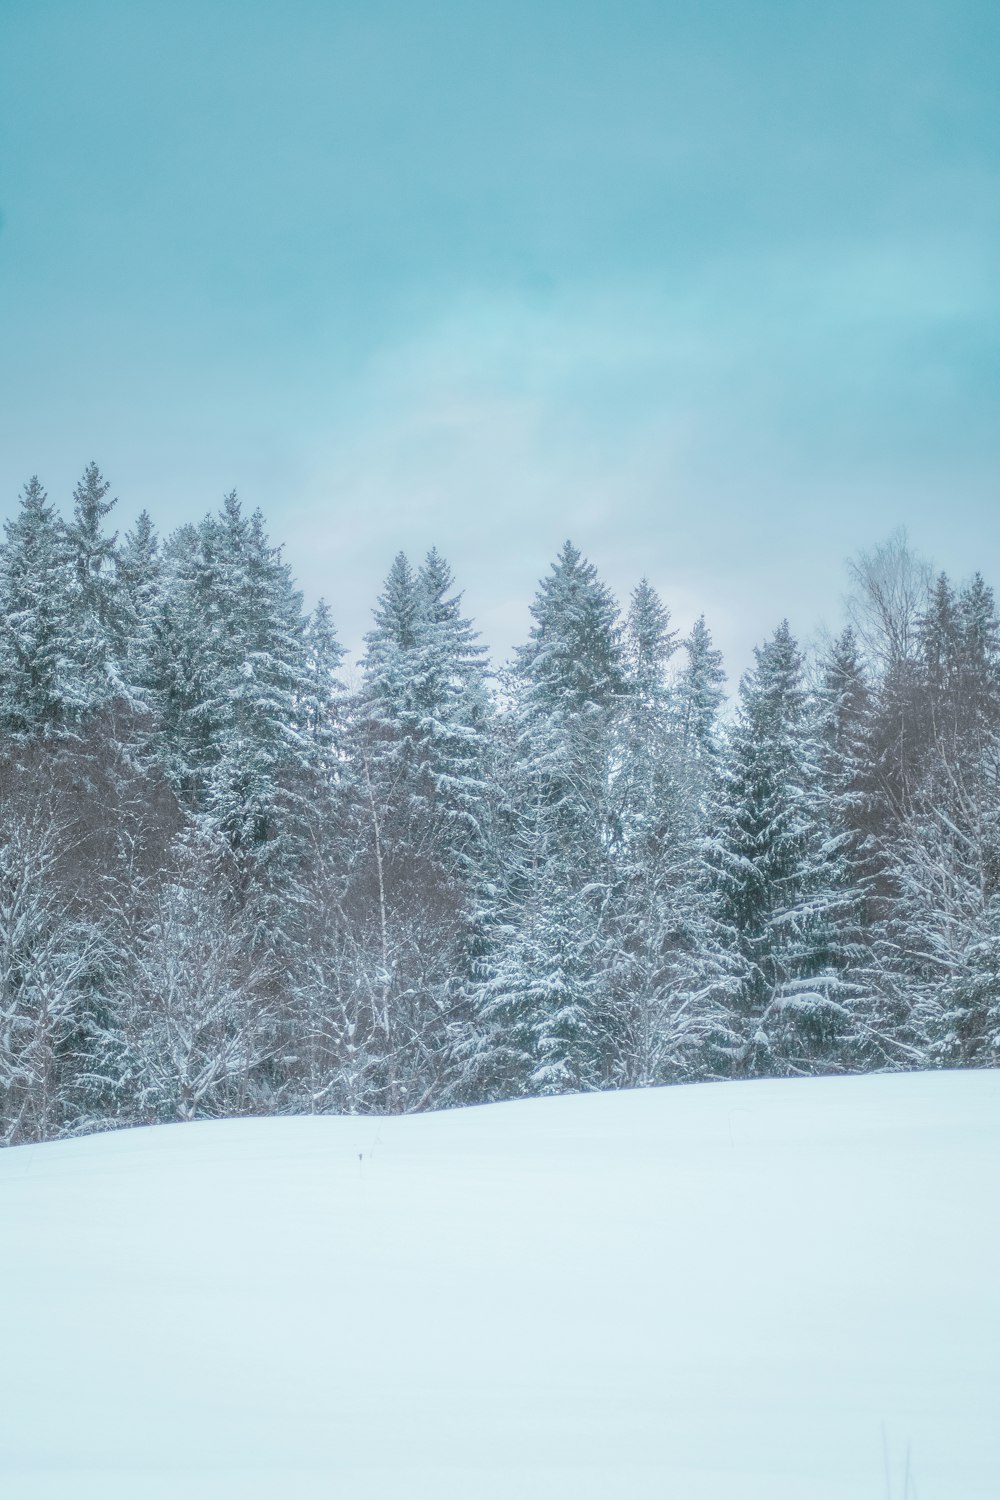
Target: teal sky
[(713, 288)]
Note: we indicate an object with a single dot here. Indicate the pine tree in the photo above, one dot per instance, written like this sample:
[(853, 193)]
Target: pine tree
[(454, 713), (843, 713), (671, 967), (387, 664), (779, 878), (541, 999), (645, 778), (651, 850), (230, 686), (842, 710), (979, 651), (419, 742), (260, 680), (320, 707), (140, 577), (95, 604), (425, 707), (181, 670), (700, 695), (34, 620)]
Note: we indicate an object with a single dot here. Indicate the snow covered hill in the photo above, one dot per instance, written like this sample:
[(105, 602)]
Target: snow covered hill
[(759, 1291)]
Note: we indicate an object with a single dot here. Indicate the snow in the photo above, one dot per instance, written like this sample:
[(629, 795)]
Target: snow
[(756, 1291)]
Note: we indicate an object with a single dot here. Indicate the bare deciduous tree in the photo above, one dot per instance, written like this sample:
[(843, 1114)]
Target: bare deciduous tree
[(891, 588)]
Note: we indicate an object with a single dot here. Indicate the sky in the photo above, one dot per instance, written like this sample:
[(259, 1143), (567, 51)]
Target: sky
[(711, 287)]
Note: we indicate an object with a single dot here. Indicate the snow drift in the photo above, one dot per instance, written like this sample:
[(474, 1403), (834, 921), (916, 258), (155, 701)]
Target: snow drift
[(763, 1290)]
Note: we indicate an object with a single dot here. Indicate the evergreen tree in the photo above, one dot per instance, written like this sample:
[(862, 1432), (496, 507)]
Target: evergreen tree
[(140, 577), (320, 707), (180, 670), (655, 1028), (843, 710), (645, 771), (95, 604), (542, 997), (779, 878), (979, 636), (419, 743), (259, 681), (454, 713), (424, 709), (700, 695), (843, 718), (34, 619), (230, 684)]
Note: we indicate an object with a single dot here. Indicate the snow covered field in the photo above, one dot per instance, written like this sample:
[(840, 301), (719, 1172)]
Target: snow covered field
[(722, 1292)]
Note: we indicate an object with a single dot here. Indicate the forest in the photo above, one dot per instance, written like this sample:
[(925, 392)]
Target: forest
[(233, 882)]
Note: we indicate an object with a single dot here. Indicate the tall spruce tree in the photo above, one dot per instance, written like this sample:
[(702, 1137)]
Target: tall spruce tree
[(454, 713), (700, 694), (779, 878), (180, 669), (419, 742), (140, 576), (320, 707), (35, 627), (651, 849), (97, 623), (546, 990), (259, 681)]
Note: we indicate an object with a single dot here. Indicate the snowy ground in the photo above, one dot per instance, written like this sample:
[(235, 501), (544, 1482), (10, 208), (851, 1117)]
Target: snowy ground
[(726, 1291)]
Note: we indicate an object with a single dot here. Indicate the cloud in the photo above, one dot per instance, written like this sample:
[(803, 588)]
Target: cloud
[(734, 438)]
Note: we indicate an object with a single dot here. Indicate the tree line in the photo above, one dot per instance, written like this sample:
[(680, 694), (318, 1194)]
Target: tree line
[(231, 884)]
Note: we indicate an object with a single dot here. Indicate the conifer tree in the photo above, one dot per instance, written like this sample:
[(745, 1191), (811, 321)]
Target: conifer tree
[(258, 684), (979, 636), (650, 847), (180, 669), (320, 707), (671, 968), (454, 713), (231, 689), (95, 605), (779, 879), (34, 619), (700, 695), (140, 576), (418, 741), (543, 995), (647, 737), (424, 705), (842, 714)]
